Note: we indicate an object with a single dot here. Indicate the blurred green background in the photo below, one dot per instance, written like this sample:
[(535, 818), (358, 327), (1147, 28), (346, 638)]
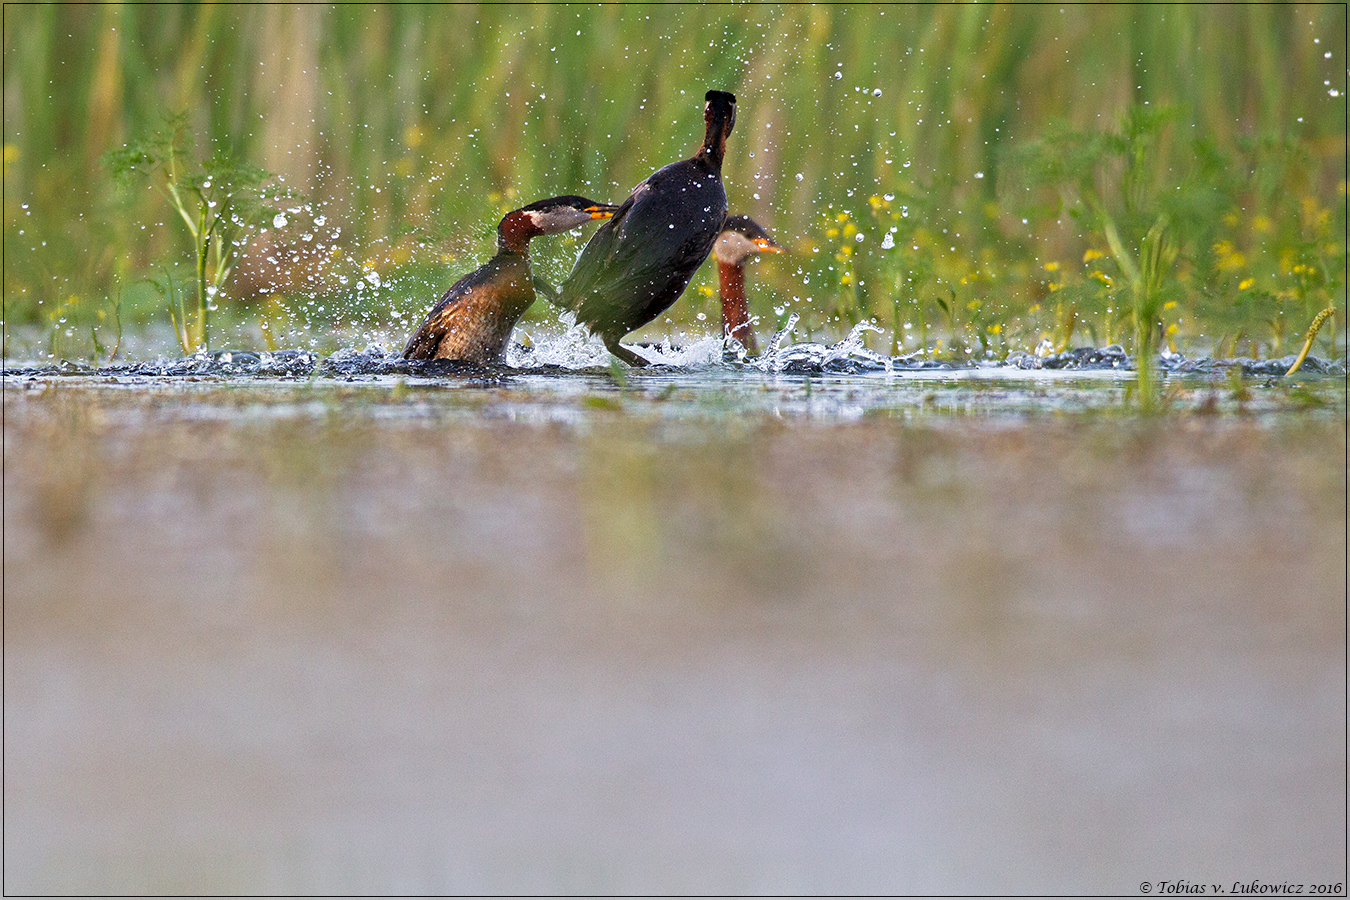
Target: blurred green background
[(946, 172)]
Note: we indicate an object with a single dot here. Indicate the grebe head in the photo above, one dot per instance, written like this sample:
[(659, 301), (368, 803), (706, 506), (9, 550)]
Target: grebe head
[(552, 216), (742, 238)]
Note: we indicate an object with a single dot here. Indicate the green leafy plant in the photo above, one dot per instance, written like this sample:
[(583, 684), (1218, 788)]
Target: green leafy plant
[(222, 201), (100, 349), (1108, 182)]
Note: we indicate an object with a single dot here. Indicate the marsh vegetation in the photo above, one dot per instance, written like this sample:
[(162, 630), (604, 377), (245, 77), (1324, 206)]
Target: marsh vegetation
[(974, 181)]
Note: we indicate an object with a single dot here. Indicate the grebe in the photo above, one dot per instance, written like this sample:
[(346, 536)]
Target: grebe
[(741, 240), (473, 320), (640, 261)]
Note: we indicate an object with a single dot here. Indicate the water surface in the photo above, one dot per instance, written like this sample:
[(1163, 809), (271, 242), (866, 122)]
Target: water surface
[(700, 631)]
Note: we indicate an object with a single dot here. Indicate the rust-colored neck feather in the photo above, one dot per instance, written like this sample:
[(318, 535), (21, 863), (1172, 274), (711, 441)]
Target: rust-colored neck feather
[(735, 310), (515, 231)]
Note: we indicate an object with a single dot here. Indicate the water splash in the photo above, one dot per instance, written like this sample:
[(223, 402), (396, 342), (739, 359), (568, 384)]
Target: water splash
[(575, 351), (575, 348)]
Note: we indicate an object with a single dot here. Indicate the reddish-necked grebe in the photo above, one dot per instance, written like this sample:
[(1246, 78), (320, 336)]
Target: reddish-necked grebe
[(473, 321)]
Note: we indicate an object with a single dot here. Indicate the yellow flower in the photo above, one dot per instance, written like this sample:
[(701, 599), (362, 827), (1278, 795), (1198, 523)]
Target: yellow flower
[(1099, 275), (1053, 286), (412, 136), (1314, 216), (996, 328), (1229, 259), (842, 217), (846, 279), (1170, 304), (832, 232), (1262, 224), (1052, 266), (1246, 283), (1231, 219), (850, 230), (1091, 254)]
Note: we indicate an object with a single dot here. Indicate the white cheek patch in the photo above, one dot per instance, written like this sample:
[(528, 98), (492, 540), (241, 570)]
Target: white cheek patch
[(557, 220), (734, 247)]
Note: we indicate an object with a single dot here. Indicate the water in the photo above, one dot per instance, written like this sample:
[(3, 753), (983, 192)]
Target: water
[(283, 623), (840, 382), (574, 352)]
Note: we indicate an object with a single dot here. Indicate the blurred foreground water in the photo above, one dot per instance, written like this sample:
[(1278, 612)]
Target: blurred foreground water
[(721, 631)]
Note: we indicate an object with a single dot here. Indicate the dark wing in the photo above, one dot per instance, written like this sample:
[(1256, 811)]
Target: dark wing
[(594, 257), (543, 289), (428, 336), (639, 262)]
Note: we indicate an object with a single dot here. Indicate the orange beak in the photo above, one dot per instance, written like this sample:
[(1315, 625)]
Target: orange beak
[(766, 245), (601, 212)]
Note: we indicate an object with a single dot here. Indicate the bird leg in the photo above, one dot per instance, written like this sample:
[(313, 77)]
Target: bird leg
[(625, 354)]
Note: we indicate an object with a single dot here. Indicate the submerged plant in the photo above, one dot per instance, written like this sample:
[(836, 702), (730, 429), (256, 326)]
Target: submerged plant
[(222, 201)]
